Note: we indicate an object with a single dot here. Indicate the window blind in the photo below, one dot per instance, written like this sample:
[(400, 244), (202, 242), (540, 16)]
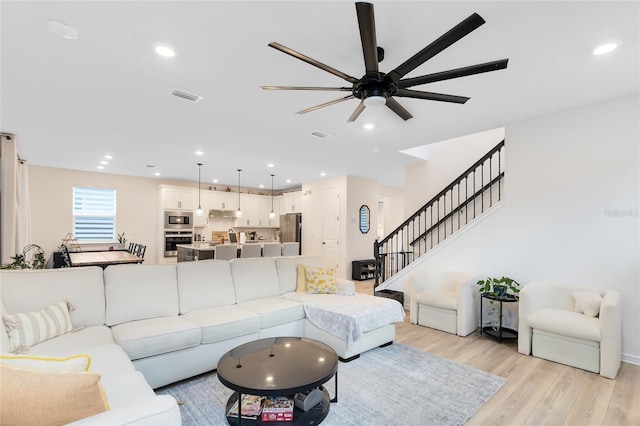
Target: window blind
[(94, 214)]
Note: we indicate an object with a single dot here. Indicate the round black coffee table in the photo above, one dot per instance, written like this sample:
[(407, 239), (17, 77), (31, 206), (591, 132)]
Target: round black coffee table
[(280, 366)]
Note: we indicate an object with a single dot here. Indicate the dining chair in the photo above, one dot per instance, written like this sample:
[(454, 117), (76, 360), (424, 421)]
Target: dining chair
[(140, 251), (64, 251), (225, 252), (271, 250), (131, 247), (290, 249), (250, 250)]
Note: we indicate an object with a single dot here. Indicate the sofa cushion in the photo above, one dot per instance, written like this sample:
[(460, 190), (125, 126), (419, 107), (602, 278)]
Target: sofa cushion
[(154, 336), (445, 299), (36, 397), (287, 268), (224, 322), (136, 292), (587, 302), (205, 284), (565, 323), (126, 388), (75, 342), (26, 329), (255, 278), (275, 310), (79, 362), (31, 290)]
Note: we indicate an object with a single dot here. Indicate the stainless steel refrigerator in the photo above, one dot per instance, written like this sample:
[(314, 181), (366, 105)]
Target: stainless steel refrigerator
[(291, 229)]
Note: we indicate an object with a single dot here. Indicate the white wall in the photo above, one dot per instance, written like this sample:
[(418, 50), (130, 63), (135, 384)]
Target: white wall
[(570, 211)]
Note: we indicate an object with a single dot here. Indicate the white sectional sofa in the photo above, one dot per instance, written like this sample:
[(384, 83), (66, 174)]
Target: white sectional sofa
[(146, 326)]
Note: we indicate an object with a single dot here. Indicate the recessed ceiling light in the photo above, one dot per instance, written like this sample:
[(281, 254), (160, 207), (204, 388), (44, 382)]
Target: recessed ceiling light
[(108, 157), (199, 153), (156, 174), (288, 180), (605, 48), (101, 167), (215, 181), (368, 126), (104, 162), (323, 174), (62, 30), (165, 51), (261, 186), (270, 165)]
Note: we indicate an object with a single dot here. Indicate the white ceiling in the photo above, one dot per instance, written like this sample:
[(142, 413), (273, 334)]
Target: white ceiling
[(72, 101)]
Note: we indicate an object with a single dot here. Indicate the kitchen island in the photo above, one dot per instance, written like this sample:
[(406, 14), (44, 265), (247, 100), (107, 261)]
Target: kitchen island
[(195, 251)]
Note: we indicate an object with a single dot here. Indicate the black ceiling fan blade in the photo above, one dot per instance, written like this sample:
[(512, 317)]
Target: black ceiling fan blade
[(367, 24), (398, 109), (313, 62), (335, 101), (455, 73), (407, 93), (444, 41), (327, 89), (357, 112)]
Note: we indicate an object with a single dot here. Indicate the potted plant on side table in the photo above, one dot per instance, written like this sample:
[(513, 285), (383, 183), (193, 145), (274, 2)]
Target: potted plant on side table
[(498, 290)]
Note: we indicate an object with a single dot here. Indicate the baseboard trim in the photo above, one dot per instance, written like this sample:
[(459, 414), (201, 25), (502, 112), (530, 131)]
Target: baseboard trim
[(631, 359)]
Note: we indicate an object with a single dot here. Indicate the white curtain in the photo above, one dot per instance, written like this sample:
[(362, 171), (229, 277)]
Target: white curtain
[(23, 212), (15, 217)]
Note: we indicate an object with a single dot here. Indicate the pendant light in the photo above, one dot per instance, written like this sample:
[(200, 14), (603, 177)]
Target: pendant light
[(239, 212), (272, 215), (199, 211)]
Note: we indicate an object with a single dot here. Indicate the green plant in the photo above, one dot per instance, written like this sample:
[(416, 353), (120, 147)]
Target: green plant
[(121, 238), (497, 287), (31, 257)]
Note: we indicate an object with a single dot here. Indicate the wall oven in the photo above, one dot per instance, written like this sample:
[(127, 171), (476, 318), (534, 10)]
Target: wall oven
[(178, 220), (173, 238)]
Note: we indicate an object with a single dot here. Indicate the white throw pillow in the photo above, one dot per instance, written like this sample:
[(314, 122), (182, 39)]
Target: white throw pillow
[(77, 363), (587, 302), (29, 328)]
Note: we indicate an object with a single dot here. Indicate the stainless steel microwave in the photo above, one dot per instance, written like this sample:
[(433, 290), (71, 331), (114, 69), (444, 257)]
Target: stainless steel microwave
[(178, 220)]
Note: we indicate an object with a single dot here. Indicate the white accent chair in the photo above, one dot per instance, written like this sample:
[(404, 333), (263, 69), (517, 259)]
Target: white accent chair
[(250, 250), (226, 252), (550, 328), (271, 250), (290, 249), (445, 300)]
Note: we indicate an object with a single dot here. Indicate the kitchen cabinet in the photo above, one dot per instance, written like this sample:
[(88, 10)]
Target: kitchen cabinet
[(292, 202), (254, 211), (219, 200), (178, 198)]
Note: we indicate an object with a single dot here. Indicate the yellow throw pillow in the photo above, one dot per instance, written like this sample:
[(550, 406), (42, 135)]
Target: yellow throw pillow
[(48, 364), (321, 280), (30, 328), (301, 281), (30, 397)]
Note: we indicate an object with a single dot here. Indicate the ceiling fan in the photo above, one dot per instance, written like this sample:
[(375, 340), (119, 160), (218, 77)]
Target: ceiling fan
[(377, 88)]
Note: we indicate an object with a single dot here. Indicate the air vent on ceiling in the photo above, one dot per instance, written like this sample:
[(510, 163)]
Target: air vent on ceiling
[(186, 95), (319, 135)]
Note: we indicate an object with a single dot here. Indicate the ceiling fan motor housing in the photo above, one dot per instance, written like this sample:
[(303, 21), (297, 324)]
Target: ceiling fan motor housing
[(374, 84)]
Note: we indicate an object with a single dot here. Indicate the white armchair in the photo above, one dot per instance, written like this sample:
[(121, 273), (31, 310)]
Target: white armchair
[(550, 328), (445, 300)]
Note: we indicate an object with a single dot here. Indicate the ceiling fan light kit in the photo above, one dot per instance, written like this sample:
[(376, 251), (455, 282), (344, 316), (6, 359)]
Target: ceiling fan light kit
[(378, 88)]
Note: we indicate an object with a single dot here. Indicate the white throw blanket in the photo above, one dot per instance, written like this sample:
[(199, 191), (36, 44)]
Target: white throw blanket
[(349, 317)]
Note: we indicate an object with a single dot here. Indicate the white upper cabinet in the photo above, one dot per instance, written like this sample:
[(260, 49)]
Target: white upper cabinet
[(219, 200), (292, 202), (178, 198)]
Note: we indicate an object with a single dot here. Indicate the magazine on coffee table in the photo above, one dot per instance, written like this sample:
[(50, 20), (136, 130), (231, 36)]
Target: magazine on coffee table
[(251, 407), (277, 409)]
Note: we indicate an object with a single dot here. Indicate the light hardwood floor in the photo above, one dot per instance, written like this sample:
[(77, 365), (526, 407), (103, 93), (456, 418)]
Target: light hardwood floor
[(537, 392)]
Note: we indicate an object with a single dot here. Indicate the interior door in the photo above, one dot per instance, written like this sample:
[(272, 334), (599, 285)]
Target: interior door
[(330, 226)]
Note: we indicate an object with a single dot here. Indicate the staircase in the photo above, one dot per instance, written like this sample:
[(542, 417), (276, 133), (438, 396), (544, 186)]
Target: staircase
[(472, 193)]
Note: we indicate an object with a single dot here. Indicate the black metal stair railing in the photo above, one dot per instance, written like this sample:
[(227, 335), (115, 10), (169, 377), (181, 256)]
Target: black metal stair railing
[(469, 195)]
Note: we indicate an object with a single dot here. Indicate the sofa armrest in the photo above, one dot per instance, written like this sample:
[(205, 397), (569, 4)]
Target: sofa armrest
[(611, 337), (158, 411), (346, 287), (468, 311)]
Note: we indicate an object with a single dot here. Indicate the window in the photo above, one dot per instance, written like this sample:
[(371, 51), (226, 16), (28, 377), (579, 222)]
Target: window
[(94, 214)]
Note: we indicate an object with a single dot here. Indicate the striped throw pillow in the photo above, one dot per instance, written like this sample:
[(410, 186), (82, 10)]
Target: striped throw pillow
[(29, 328)]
